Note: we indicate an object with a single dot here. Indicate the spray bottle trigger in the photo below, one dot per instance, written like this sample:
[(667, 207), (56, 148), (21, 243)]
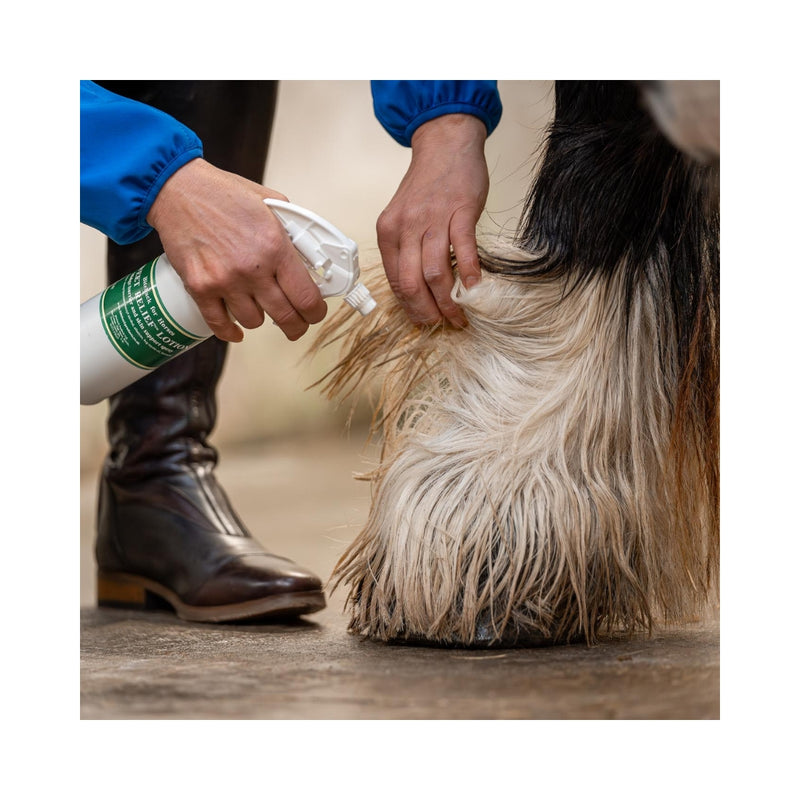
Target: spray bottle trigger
[(331, 257)]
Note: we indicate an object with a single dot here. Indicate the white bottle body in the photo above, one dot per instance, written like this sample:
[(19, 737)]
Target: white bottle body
[(134, 326)]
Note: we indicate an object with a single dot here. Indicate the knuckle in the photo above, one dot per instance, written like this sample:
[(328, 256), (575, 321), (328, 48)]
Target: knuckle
[(447, 307), (311, 307), (463, 235), (386, 226), (216, 317), (284, 318), (389, 216), (201, 285), (383, 221), (434, 273), (400, 224), (307, 300), (270, 244), (406, 286)]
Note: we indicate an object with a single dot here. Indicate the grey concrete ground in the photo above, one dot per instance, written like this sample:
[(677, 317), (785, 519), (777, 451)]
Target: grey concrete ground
[(299, 497)]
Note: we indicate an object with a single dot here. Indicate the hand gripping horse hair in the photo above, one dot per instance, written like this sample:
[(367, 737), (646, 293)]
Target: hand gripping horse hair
[(550, 473)]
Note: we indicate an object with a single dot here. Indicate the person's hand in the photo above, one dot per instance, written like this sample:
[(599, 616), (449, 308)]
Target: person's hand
[(232, 253), (437, 204)]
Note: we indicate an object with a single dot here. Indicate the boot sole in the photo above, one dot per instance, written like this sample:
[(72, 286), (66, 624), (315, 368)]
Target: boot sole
[(133, 591)]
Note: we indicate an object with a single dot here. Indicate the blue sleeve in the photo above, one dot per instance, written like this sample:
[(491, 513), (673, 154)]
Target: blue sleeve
[(128, 151), (402, 106)]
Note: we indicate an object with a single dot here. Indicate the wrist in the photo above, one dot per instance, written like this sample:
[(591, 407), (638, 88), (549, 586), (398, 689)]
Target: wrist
[(451, 130), (177, 185)]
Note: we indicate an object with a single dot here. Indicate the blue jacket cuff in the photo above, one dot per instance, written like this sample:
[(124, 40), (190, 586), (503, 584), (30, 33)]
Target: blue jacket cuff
[(128, 151), (402, 106)]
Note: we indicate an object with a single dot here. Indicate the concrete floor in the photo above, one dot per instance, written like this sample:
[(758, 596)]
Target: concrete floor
[(300, 499)]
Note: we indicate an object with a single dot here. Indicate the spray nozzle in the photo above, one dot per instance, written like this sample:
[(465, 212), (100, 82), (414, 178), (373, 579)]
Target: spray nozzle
[(360, 299)]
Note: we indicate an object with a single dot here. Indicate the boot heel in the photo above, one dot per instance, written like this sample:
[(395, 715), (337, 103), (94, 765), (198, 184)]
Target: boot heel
[(120, 592)]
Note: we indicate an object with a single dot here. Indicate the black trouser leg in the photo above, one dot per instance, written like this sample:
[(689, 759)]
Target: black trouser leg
[(165, 525)]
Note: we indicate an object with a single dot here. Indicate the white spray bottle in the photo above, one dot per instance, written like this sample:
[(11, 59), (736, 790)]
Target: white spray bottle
[(147, 318)]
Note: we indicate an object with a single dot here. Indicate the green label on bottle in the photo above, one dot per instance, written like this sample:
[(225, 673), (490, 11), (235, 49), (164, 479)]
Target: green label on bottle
[(138, 325)]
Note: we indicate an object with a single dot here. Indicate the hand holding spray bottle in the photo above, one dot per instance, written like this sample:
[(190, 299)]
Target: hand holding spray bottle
[(148, 317)]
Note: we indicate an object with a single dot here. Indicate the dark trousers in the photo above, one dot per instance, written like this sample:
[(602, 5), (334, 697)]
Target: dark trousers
[(233, 120)]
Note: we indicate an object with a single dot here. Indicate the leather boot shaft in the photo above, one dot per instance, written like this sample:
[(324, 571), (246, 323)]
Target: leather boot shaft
[(161, 424)]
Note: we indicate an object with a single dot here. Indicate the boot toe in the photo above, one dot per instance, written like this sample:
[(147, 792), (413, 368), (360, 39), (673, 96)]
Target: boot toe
[(254, 576)]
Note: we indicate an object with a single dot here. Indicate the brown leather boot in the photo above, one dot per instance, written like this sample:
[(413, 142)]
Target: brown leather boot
[(166, 528)]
